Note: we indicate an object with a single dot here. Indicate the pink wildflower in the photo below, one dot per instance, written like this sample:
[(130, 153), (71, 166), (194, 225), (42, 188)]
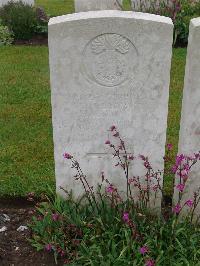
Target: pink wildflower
[(142, 157), (110, 189), (189, 203), (177, 208), (67, 156), (144, 250), (147, 165), (48, 247), (186, 167), (61, 251), (174, 169), (150, 262), (125, 217), (155, 187), (180, 187), (55, 217), (112, 128), (131, 157), (169, 146), (116, 134), (39, 218), (179, 159), (184, 173)]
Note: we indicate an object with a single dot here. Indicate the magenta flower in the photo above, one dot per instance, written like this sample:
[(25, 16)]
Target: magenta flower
[(189, 203), (184, 173), (48, 247), (61, 251), (177, 209), (107, 142), (144, 250), (155, 187), (180, 187), (147, 165), (179, 159), (116, 134), (174, 169), (169, 146), (142, 157), (112, 128), (186, 167), (67, 156), (40, 218), (125, 217), (110, 189), (131, 157), (150, 262), (55, 217), (62, 254)]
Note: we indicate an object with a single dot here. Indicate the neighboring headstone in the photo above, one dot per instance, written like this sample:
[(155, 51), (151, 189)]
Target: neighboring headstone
[(189, 138), (108, 67), (92, 5), (4, 2), (147, 5)]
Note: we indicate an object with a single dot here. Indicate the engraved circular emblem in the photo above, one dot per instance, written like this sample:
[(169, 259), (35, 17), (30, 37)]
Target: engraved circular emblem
[(109, 59)]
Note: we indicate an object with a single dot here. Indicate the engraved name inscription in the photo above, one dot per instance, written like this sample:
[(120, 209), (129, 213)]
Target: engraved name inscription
[(109, 59)]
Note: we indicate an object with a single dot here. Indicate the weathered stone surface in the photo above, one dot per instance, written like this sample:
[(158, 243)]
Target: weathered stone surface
[(108, 67), (145, 5), (189, 138), (4, 2), (92, 5)]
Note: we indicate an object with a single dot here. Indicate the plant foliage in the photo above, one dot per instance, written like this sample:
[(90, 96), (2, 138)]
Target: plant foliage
[(106, 228)]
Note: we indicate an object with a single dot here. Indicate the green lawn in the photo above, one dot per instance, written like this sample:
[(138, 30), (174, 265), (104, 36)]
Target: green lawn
[(56, 7), (175, 101), (26, 148), (61, 7)]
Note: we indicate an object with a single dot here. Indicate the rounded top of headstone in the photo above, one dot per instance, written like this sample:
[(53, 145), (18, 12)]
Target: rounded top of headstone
[(195, 22), (110, 14)]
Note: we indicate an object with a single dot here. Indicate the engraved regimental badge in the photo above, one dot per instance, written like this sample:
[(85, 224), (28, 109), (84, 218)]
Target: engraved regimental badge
[(110, 59)]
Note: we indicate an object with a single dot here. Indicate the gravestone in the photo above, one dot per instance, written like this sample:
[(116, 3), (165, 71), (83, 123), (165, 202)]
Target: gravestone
[(29, 2), (91, 5), (108, 68), (189, 137), (146, 5)]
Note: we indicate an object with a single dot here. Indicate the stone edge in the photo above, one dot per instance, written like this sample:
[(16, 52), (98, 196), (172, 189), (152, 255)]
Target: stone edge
[(195, 22), (108, 14)]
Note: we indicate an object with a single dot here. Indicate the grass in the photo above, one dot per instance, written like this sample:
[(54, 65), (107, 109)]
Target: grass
[(26, 148), (175, 101), (61, 7), (56, 7)]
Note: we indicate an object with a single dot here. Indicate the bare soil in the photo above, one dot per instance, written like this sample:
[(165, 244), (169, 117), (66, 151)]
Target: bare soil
[(15, 249), (36, 40)]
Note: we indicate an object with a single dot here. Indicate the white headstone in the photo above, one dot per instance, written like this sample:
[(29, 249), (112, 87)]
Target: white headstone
[(189, 138), (29, 2), (91, 5), (147, 5), (108, 67)]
